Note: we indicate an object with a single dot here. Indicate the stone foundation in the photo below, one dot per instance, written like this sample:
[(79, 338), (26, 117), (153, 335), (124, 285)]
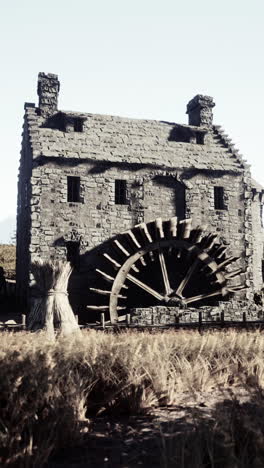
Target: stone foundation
[(160, 315)]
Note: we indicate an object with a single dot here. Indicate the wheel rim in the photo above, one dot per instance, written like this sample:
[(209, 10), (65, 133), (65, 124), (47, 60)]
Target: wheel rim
[(203, 257)]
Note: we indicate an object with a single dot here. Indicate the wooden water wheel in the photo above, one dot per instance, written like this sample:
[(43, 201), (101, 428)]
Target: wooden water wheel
[(165, 263)]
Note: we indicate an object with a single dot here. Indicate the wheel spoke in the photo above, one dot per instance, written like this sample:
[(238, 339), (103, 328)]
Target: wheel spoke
[(106, 293), (164, 273), (239, 287), (186, 279), (159, 227), (198, 256), (203, 296), (144, 286), (220, 266)]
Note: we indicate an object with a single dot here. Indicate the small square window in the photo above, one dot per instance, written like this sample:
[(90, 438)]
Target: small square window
[(120, 192), (219, 198), (73, 189), (78, 125)]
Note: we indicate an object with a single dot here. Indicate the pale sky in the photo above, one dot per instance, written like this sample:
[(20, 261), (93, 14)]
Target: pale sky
[(141, 59)]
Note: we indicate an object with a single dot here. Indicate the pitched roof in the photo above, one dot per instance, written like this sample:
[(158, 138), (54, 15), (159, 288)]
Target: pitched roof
[(124, 140)]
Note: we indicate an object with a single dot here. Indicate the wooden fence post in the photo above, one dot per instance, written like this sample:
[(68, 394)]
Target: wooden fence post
[(23, 322), (200, 320), (177, 319), (103, 319), (245, 319), (128, 319), (222, 318)]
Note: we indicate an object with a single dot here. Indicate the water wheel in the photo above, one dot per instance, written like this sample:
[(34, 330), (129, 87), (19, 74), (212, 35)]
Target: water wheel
[(165, 263)]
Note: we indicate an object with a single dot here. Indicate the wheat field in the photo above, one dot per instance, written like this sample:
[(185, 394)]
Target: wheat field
[(8, 257), (48, 390)]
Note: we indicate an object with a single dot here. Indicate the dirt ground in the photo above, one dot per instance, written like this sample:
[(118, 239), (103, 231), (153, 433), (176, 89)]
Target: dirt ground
[(123, 443), (140, 440)]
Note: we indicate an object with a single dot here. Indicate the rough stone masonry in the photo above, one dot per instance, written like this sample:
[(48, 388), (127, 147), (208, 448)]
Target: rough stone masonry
[(85, 178)]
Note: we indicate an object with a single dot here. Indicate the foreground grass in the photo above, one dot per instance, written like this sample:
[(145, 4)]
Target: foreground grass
[(50, 390)]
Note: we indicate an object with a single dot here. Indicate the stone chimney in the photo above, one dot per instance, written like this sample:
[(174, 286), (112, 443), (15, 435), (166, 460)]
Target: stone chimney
[(200, 111), (48, 91)]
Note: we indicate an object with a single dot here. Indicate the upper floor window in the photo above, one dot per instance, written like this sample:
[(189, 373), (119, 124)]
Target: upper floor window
[(120, 192), (219, 202), (73, 189)]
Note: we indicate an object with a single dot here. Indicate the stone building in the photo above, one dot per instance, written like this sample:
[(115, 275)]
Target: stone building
[(86, 178)]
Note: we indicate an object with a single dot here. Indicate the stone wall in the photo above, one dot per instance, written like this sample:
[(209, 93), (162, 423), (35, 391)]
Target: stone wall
[(160, 315), (24, 214), (258, 241), (97, 218)]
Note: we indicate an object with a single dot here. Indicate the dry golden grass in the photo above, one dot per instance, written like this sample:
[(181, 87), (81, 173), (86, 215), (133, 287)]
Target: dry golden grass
[(8, 257), (48, 389)]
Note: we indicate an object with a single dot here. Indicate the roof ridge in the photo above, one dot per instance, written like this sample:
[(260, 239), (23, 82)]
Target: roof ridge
[(31, 121), (231, 146)]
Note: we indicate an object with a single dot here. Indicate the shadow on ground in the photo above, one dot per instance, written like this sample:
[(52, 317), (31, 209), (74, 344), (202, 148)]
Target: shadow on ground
[(203, 432)]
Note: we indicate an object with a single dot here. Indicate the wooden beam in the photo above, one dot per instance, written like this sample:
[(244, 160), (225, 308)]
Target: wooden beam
[(159, 227), (133, 238), (173, 226), (105, 275), (112, 260), (23, 321), (220, 266), (203, 296), (108, 277), (103, 319), (234, 273), (186, 279), (142, 260), (145, 287), (122, 248), (106, 293), (116, 264), (197, 235), (239, 287), (164, 272), (143, 227), (187, 227)]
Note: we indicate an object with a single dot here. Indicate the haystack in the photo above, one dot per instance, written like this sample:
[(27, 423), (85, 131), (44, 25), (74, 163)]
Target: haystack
[(51, 309)]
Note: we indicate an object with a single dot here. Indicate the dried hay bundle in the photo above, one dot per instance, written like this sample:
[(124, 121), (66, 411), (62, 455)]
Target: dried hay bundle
[(52, 309)]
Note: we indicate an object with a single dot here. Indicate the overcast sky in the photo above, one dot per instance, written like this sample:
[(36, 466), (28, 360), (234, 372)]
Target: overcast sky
[(140, 58)]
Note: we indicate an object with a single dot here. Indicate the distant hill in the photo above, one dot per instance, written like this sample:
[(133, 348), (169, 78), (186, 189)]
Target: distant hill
[(7, 229)]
